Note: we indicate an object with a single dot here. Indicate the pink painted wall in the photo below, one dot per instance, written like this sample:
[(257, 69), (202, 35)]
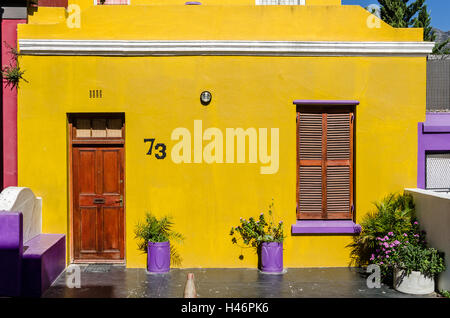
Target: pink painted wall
[(9, 103), (53, 3)]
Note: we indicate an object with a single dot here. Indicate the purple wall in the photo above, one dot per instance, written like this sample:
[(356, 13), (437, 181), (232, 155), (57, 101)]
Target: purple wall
[(434, 136)]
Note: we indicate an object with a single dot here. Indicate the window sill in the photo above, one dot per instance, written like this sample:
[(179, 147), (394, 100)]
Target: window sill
[(325, 227)]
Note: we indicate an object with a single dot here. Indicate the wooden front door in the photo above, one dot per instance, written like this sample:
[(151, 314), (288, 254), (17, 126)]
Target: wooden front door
[(96, 161), (98, 214)]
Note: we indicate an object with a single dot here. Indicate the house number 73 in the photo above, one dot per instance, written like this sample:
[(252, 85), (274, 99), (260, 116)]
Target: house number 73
[(160, 148)]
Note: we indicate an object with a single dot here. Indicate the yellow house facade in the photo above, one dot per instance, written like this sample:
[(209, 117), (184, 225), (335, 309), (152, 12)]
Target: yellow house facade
[(113, 101)]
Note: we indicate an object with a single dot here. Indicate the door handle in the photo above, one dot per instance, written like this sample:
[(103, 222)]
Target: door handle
[(99, 200), (120, 200)]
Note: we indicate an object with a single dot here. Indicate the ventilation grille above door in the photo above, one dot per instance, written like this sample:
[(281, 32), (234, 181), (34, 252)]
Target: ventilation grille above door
[(98, 128), (87, 128)]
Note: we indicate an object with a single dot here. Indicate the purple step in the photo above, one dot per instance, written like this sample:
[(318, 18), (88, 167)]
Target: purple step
[(44, 258)]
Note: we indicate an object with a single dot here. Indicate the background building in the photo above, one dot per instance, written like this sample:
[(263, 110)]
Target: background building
[(434, 133)]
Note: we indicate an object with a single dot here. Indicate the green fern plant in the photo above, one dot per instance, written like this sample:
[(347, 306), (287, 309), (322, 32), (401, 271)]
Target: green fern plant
[(12, 73), (395, 213), (158, 230)]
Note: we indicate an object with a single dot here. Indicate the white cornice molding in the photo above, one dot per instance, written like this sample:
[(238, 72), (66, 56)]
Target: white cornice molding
[(207, 47)]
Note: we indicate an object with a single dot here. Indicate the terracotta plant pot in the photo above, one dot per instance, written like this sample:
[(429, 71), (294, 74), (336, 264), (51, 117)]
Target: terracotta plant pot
[(158, 257), (415, 283), (271, 257)]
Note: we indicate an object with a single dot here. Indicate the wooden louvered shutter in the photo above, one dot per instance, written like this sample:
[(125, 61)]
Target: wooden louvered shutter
[(325, 164), (310, 185)]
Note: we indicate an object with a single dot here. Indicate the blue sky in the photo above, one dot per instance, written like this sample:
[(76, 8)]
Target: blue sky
[(440, 11)]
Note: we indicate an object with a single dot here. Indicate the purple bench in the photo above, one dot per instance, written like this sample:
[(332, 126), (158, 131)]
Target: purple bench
[(11, 250), (28, 268)]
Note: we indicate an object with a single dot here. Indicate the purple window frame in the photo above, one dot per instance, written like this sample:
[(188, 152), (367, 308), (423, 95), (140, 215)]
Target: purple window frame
[(433, 137)]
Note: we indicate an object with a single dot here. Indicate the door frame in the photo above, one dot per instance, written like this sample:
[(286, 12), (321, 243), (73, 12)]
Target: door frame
[(100, 142)]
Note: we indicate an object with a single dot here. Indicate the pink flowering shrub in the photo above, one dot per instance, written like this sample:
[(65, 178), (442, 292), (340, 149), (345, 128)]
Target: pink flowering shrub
[(388, 247)]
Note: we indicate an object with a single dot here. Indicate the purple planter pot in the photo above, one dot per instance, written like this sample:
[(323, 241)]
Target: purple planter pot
[(271, 257), (158, 257)]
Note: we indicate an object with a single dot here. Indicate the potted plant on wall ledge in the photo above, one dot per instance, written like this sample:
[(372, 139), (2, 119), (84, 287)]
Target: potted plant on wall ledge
[(266, 236), (156, 238), (415, 269)]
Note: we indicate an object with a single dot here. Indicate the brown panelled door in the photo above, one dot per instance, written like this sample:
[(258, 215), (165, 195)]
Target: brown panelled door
[(98, 198), (324, 163)]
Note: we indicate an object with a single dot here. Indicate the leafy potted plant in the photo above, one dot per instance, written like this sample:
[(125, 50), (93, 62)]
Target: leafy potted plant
[(391, 238), (266, 237), (415, 269), (155, 238)]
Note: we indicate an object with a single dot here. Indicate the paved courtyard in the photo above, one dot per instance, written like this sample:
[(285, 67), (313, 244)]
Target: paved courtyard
[(107, 281)]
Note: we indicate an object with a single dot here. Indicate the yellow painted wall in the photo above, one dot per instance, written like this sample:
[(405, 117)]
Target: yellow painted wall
[(299, 23), (88, 3), (159, 94)]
